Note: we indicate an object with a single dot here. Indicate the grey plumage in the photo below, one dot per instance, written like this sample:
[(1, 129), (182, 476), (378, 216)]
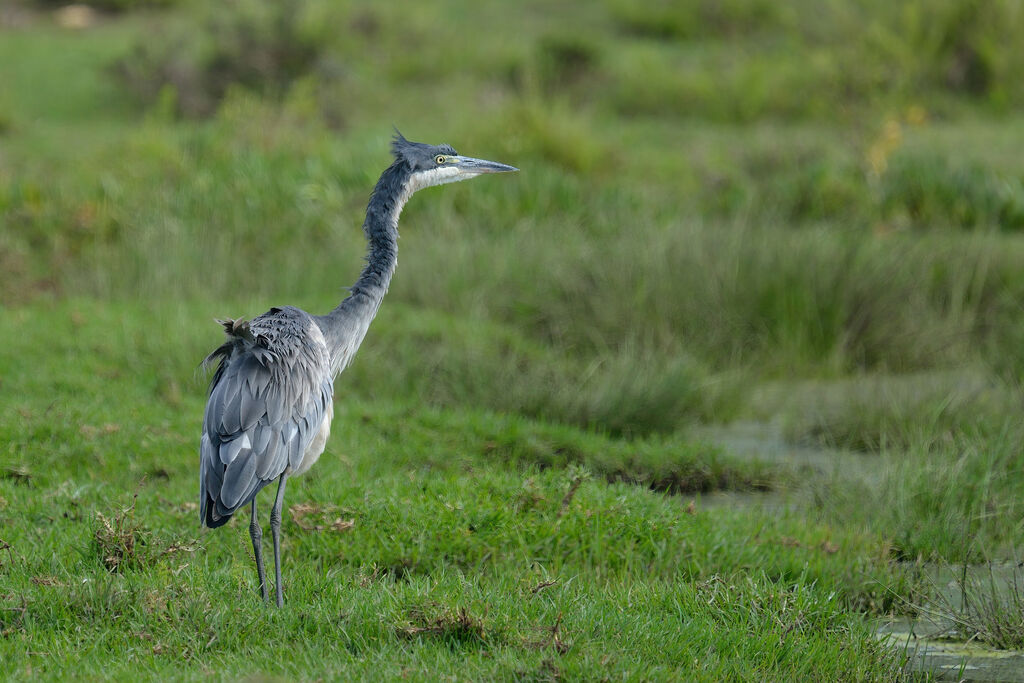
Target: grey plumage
[(270, 392), (270, 402)]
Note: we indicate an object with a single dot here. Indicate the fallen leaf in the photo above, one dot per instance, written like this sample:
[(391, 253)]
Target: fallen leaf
[(343, 524), (46, 581)]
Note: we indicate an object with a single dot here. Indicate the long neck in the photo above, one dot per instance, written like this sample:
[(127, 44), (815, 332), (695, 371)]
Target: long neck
[(345, 326)]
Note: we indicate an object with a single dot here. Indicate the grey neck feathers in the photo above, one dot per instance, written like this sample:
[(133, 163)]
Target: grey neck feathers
[(381, 228), (345, 326)]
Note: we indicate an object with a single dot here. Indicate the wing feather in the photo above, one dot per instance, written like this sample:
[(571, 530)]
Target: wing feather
[(295, 451), (229, 450), (230, 418), (239, 479), (265, 406), (251, 408), (270, 461), (276, 408), (261, 437)]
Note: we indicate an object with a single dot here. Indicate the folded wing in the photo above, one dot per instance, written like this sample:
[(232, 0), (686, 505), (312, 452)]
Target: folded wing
[(267, 401)]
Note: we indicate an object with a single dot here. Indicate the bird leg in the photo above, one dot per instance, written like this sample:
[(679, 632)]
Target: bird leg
[(275, 530), (257, 547)]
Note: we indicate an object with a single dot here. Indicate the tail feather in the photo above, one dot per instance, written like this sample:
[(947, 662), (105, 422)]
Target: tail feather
[(214, 514)]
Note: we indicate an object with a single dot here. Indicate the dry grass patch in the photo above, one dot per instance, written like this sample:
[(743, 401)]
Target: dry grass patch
[(120, 542), (457, 627), (314, 517)]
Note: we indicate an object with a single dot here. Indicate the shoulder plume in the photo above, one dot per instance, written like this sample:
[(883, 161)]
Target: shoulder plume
[(239, 327)]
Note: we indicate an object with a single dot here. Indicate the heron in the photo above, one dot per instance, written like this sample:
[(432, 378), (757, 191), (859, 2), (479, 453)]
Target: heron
[(270, 403)]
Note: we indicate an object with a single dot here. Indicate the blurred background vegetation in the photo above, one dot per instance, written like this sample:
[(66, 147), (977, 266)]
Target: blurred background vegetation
[(806, 198)]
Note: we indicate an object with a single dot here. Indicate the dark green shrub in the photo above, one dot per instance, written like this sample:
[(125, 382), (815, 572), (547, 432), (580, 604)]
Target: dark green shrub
[(111, 5), (930, 190), (693, 19), (969, 50), (563, 61), (255, 44)]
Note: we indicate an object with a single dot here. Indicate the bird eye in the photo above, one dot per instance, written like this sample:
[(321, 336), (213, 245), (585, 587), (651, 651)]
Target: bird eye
[(440, 158)]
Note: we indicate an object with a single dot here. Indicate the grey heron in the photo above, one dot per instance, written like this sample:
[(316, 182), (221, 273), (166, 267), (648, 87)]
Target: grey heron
[(268, 414)]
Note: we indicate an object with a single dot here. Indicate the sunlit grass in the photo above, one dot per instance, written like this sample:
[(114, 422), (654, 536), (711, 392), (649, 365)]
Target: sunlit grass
[(425, 540)]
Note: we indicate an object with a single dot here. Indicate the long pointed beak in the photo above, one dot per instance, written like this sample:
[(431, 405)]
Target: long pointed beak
[(471, 165)]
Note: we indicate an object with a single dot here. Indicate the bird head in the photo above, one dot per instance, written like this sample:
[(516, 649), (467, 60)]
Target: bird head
[(430, 165)]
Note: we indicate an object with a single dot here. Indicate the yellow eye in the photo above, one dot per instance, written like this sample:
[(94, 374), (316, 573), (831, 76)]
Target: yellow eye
[(440, 159)]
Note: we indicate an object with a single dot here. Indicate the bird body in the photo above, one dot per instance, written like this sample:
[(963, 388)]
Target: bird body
[(269, 410)]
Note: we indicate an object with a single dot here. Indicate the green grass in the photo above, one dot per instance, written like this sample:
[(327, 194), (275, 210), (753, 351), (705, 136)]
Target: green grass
[(451, 511), (984, 603), (880, 413), (367, 630), (957, 503)]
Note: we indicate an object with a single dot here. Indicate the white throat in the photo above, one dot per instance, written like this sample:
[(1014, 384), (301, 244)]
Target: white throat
[(435, 176)]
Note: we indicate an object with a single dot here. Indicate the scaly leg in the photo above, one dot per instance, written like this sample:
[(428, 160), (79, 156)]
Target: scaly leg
[(275, 529), (257, 547)]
